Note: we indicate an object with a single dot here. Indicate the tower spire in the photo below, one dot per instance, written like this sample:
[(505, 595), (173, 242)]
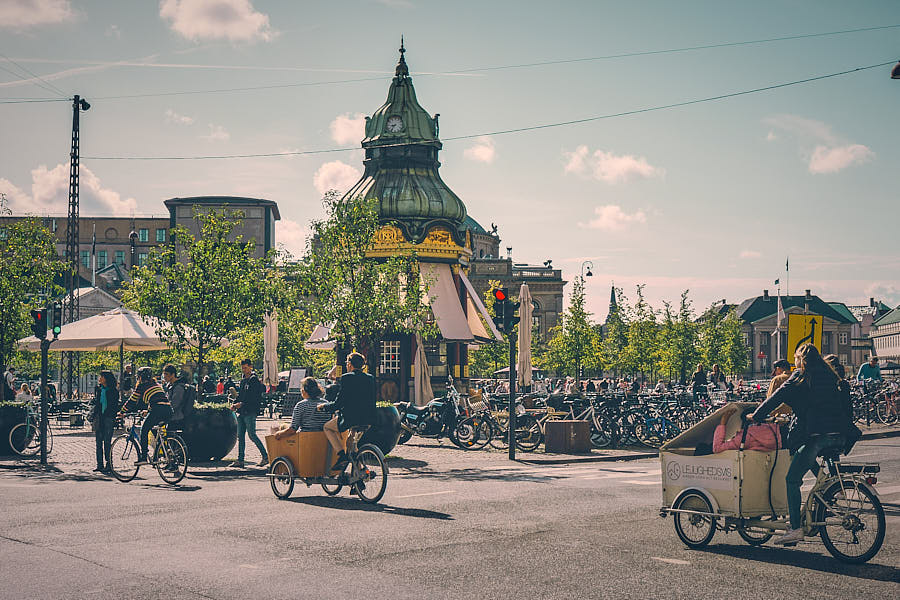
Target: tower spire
[(402, 70)]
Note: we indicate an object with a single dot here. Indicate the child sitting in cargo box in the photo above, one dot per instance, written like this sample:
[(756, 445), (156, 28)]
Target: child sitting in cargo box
[(305, 416), (763, 437)]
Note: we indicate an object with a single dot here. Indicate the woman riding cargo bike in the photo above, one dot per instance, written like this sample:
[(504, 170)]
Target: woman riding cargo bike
[(751, 491)]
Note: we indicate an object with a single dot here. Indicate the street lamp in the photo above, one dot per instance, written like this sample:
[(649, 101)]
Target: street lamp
[(133, 238), (895, 72), (589, 266)]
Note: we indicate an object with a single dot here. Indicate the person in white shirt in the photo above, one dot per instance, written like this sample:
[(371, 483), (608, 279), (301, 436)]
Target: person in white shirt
[(24, 394)]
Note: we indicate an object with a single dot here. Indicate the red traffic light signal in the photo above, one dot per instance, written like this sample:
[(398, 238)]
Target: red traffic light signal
[(501, 294), (39, 325)]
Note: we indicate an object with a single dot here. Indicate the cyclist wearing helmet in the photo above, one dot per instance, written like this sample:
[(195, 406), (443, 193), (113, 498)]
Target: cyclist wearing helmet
[(148, 396)]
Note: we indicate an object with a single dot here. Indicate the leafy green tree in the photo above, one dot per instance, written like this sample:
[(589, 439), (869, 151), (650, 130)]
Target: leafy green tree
[(28, 266), (615, 337), (678, 340), (361, 298), (735, 353), (198, 290), (572, 346), (642, 351), (712, 344)]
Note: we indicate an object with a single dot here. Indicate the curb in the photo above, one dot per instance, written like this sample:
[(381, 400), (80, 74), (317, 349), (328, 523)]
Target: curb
[(877, 435)]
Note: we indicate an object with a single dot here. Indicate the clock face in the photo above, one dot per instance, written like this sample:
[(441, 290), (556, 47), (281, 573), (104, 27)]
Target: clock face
[(395, 124)]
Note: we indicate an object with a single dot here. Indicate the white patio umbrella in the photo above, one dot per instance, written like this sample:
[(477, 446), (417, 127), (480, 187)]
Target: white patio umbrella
[(421, 376), (270, 353), (524, 361)]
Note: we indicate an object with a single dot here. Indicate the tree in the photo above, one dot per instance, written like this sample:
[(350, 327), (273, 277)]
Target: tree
[(361, 298), (678, 340), (28, 266), (735, 353), (642, 352), (573, 343), (198, 290), (615, 337)]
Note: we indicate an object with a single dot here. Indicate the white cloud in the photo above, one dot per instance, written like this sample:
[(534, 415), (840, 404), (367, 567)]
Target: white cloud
[(607, 167), (887, 292), (335, 175), (482, 151), (292, 235), (113, 31), (50, 194), (20, 14), (348, 128), (612, 218), (174, 117), (750, 254), (217, 133), (234, 20), (830, 153), (832, 160)]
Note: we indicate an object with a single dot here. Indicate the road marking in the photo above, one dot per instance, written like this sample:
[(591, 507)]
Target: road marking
[(671, 561), (426, 494), (636, 482), (621, 475), (249, 566)]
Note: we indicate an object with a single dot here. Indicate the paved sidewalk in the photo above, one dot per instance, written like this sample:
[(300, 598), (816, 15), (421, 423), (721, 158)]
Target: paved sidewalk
[(73, 454)]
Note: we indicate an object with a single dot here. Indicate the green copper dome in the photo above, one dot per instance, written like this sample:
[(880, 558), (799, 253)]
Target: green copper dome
[(401, 164)]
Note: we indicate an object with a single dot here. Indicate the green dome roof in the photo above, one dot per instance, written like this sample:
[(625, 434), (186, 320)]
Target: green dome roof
[(401, 164)]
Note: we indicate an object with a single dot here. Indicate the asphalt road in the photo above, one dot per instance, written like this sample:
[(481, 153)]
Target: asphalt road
[(475, 530)]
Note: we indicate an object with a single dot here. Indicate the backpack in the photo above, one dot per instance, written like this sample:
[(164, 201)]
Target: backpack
[(190, 398)]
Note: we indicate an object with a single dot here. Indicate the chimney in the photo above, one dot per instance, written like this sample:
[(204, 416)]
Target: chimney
[(871, 301), (808, 295), (765, 294)]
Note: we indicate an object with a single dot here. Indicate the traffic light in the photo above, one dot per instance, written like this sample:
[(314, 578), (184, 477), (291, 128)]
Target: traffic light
[(56, 316), (501, 298), (510, 316), (39, 325)]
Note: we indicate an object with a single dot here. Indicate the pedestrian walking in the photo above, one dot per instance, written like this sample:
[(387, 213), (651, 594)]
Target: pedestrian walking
[(127, 383), (220, 386), (699, 382), (104, 407), (9, 384), (717, 377), (247, 408), (176, 390)]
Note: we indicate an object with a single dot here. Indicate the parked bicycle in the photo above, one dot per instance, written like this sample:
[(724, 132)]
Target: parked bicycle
[(168, 454), (25, 438)]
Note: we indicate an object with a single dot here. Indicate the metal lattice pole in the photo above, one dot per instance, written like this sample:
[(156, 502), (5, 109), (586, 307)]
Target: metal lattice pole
[(71, 312)]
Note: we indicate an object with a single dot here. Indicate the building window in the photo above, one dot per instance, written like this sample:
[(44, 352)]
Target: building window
[(842, 338), (390, 357), (745, 337), (101, 259), (3, 233), (85, 259), (843, 359), (536, 323), (160, 235), (120, 257), (142, 258), (763, 340), (143, 235), (826, 342)]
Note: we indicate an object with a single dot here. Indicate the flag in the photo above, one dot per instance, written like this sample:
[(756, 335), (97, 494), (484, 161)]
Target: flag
[(777, 282), (781, 315), (786, 265)]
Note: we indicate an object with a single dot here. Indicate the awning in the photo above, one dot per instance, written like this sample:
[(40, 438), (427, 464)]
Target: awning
[(318, 340), (445, 304), (475, 303)]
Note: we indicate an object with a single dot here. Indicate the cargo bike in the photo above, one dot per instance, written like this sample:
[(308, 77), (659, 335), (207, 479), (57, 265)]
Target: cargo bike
[(307, 456), (745, 491)]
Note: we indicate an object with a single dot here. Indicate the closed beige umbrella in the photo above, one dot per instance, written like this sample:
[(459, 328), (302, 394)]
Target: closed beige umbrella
[(270, 351), (524, 361), (421, 375)]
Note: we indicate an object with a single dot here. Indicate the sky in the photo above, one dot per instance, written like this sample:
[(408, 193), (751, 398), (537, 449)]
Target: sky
[(711, 196)]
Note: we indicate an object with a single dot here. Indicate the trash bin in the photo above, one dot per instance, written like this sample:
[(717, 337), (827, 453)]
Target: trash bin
[(568, 437)]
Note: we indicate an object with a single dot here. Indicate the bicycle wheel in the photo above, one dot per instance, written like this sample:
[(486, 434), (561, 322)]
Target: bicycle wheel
[(281, 477), (528, 433), (332, 489), (49, 439), (370, 464), (473, 433), (25, 439), (405, 436), (602, 432), (123, 453), (171, 460), (694, 530), (755, 536), (500, 433), (883, 412), (854, 523)]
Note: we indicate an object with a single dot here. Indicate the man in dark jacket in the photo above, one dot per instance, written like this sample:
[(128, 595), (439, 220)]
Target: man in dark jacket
[(356, 404), (247, 408), (176, 391)]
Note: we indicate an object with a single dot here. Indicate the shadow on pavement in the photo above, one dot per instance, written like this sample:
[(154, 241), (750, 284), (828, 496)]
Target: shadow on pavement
[(353, 504), (808, 560), (405, 463), (482, 475)]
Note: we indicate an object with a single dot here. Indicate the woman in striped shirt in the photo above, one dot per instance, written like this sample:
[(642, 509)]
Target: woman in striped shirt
[(305, 416)]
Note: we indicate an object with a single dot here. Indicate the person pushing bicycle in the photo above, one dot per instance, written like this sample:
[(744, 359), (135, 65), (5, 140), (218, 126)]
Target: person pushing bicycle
[(148, 396)]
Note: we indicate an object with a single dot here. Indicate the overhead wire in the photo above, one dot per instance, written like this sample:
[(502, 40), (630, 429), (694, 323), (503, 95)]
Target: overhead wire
[(517, 129), (47, 85)]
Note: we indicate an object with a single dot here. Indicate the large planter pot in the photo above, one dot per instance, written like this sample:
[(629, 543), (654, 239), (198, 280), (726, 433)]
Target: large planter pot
[(210, 433), (11, 414), (386, 430)]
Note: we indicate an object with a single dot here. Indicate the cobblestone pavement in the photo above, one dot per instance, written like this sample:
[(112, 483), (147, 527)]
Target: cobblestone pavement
[(73, 453)]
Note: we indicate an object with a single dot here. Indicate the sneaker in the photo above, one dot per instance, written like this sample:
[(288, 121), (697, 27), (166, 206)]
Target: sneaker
[(238, 464), (263, 463), (99, 470), (792, 536), (342, 461)]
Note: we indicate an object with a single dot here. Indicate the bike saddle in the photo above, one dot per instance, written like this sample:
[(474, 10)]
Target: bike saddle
[(834, 444)]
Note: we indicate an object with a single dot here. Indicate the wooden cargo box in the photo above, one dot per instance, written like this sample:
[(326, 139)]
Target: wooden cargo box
[(568, 437), (308, 451)]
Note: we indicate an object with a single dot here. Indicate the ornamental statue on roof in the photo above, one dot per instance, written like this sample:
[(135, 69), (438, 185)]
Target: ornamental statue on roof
[(401, 171)]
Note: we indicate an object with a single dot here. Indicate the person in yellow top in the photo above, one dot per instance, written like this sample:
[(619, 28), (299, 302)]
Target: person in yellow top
[(780, 373)]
